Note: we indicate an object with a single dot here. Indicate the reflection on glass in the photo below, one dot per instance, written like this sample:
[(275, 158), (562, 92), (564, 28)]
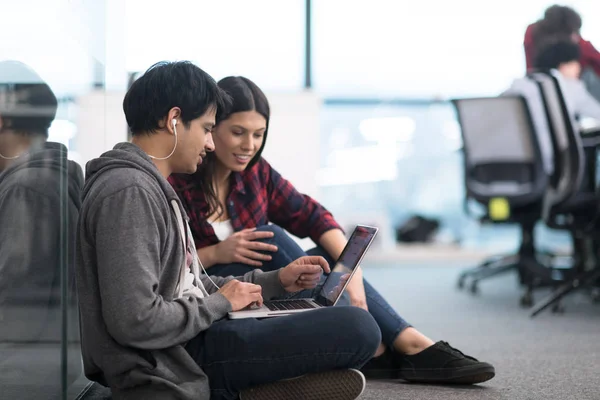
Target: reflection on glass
[(39, 206)]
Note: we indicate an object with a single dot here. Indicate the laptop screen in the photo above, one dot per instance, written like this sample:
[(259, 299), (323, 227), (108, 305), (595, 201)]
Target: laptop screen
[(350, 258)]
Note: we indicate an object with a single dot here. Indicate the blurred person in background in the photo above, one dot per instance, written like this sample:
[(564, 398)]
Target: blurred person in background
[(560, 23), (236, 193)]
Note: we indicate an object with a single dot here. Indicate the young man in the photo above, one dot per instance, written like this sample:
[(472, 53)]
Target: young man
[(39, 206), (153, 326)]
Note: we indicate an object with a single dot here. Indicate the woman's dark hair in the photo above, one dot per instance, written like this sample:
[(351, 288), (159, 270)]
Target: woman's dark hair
[(166, 85), (244, 95), (559, 24), (563, 19)]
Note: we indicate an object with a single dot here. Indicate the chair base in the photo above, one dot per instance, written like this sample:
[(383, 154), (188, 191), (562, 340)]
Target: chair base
[(584, 279), (534, 272)]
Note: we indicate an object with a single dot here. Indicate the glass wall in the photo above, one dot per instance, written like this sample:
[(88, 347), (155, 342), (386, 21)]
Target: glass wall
[(54, 57)]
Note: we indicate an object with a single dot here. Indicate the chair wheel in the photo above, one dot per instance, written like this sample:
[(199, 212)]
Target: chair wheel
[(474, 288), (461, 282), (526, 300), (558, 309)]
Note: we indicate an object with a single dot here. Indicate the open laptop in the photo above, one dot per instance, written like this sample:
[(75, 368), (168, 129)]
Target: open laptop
[(332, 288)]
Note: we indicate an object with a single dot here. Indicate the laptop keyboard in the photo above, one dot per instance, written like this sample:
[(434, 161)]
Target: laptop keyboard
[(283, 305)]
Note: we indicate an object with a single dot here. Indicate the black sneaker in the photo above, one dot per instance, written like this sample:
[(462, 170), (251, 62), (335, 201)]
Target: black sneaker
[(382, 367), (442, 363), (343, 384)]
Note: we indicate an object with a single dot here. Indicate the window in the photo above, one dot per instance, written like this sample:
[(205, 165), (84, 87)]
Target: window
[(424, 49), (262, 39)]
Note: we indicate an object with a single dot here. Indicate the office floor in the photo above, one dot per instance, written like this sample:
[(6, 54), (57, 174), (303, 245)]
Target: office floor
[(550, 357)]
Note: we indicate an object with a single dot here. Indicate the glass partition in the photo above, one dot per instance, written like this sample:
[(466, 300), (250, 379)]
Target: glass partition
[(55, 57)]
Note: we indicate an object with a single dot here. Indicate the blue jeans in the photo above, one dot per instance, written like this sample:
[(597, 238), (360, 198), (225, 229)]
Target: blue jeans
[(388, 320), (238, 354)]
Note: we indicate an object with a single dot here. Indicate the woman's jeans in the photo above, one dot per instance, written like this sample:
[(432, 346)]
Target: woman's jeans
[(389, 322), (238, 354)]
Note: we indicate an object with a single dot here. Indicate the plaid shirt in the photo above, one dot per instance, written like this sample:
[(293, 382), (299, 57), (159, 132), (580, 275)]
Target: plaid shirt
[(258, 196)]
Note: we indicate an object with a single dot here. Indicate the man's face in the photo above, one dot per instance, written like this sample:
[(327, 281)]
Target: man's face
[(193, 142)]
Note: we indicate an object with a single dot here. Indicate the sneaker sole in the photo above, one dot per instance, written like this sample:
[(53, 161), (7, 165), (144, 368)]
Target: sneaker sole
[(466, 376), (345, 384)]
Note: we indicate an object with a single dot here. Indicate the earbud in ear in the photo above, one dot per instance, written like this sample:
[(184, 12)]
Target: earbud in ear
[(174, 122)]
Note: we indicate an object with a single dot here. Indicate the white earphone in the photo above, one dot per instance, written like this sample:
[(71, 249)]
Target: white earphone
[(174, 123)]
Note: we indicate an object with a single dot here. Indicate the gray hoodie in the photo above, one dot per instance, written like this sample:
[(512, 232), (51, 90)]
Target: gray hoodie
[(130, 256)]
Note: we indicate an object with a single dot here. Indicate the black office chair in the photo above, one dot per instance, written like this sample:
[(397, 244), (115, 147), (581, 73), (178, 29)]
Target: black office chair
[(502, 159), (568, 203)]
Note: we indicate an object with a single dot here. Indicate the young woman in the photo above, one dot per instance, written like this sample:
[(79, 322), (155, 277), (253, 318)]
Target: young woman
[(236, 193)]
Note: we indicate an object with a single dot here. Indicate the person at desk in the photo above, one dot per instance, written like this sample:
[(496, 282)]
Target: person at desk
[(560, 23), (564, 56)]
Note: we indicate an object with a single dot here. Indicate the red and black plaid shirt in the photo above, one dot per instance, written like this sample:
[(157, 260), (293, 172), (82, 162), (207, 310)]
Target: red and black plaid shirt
[(258, 196)]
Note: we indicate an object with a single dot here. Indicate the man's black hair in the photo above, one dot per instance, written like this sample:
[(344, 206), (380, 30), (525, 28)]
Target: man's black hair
[(27, 104), (166, 85), (553, 55)]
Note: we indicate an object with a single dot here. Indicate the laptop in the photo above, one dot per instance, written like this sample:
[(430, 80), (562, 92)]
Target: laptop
[(332, 288)]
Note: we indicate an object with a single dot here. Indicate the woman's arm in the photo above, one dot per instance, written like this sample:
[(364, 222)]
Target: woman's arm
[(333, 242), (208, 256)]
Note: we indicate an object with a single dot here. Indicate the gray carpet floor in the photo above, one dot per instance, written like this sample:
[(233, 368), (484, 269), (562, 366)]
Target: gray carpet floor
[(554, 356), (549, 357)]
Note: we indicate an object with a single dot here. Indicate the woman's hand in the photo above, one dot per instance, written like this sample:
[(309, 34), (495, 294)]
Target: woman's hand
[(242, 247)]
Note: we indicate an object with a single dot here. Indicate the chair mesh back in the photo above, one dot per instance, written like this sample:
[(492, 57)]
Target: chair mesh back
[(500, 151), (530, 90), (495, 129)]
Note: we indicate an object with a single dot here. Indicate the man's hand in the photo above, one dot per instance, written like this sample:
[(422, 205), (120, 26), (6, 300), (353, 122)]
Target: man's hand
[(241, 294), (303, 273), (243, 247)]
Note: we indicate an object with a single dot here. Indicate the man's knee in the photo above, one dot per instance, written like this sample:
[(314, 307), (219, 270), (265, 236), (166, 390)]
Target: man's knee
[(271, 228), (359, 325), (280, 237)]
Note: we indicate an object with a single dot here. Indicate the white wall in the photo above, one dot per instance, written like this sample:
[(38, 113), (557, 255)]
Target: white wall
[(293, 146), (100, 124), (292, 149)]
